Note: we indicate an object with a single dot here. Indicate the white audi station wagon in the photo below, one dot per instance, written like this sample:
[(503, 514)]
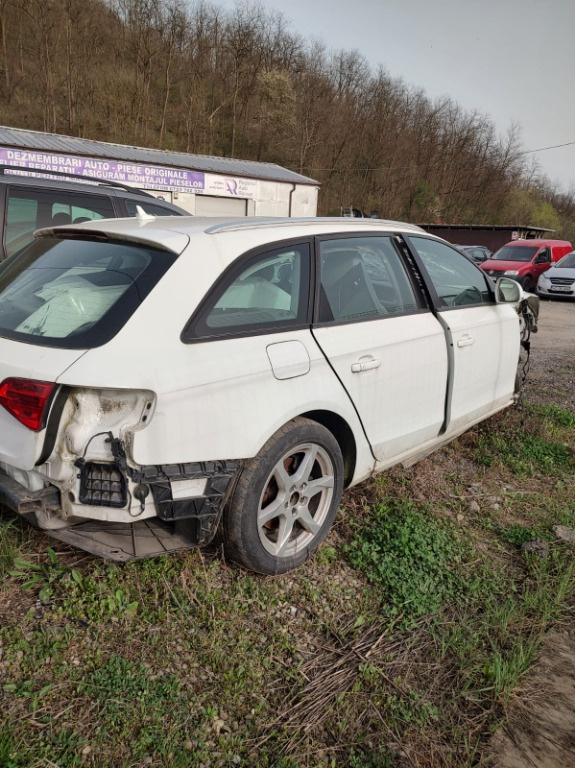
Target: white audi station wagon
[(162, 380)]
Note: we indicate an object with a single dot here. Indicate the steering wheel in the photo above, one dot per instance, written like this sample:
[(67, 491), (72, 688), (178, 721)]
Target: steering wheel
[(471, 295)]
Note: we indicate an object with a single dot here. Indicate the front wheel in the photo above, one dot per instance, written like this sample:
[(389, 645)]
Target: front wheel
[(528, 284), (285, 499)]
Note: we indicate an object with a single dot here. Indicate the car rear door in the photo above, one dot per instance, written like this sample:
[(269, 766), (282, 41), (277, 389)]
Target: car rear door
[(386, 347), (483, 337)]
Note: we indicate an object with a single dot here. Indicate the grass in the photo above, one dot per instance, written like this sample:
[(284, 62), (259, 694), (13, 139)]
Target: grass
[(402, 643), (411, 556)]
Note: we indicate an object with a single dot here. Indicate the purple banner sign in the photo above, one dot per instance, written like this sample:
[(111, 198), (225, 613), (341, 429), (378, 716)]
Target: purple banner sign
[(146, 176)]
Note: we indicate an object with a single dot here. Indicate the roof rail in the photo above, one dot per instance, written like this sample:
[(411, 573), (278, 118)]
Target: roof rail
[(253, 222), (5, 170)]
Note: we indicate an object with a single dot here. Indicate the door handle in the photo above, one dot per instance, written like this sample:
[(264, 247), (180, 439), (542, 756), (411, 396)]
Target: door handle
[(466, 341), (367, 366)]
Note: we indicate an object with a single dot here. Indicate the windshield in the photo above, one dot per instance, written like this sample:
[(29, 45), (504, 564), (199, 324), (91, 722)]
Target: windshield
[(75, 293), (567, 262), (515, 253)]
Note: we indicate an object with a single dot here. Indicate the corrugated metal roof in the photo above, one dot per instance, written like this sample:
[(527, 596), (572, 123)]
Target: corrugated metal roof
[(20, 138)]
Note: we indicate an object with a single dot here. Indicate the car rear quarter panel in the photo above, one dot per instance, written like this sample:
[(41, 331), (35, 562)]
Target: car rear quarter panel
[(215, 399), (221, 400), (19, 446)]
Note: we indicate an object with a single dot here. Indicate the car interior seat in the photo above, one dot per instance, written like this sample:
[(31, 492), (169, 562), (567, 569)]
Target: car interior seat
[(347, 288), (59, 219)]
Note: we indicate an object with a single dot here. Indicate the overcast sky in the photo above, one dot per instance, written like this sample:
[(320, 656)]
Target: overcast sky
[(513, 60)]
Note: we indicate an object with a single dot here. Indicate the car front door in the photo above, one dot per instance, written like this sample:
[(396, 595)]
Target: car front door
[(386, 347), (483, 337), (541, 264)]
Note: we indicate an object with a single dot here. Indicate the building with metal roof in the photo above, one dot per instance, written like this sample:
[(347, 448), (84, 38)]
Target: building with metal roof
[(493, 236), (202, 184)]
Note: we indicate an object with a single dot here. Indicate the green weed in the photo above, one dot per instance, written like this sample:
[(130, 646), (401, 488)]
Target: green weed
[(524, 454), (553, 415), (411, 555), (12, 536), (519, 534), (376, 758)]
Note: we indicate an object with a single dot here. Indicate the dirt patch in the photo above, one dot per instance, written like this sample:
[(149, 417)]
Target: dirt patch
[(540, 727)]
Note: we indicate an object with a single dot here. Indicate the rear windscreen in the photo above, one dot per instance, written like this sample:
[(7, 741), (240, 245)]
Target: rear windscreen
[(75, 293)]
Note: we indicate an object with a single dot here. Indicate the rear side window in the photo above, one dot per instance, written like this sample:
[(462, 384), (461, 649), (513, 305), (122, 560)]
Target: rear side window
[(75, 293), (29, 209), (267, 293)]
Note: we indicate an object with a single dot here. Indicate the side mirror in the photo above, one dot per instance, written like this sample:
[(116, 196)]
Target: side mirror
[(507, 291)]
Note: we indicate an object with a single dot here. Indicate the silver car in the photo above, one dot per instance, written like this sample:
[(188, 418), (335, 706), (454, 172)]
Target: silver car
[(559, 280)]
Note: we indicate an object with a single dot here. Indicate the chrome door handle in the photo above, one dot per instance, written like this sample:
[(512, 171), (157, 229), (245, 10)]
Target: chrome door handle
[(367, 366), (466, 341)]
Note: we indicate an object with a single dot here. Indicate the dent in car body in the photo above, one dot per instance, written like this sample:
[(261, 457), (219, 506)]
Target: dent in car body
[(92, 452)]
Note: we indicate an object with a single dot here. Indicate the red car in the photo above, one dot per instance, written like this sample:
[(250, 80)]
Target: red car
[(525, 260)]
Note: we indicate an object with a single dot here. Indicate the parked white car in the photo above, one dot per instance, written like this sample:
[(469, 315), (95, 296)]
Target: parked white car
[(559, 280), (162, 379)]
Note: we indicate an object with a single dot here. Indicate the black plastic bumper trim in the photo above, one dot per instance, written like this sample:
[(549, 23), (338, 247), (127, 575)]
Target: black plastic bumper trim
[(201, 512), (19, 499)]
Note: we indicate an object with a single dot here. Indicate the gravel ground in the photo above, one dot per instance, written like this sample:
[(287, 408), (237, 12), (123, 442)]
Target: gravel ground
[(552, 375), (540, 731)]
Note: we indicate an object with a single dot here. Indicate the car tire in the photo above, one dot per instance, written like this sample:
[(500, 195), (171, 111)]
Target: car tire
[(271, 523), (527, 284)]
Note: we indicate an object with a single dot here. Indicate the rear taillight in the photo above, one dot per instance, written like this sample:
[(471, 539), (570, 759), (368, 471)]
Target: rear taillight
[(27, 400)]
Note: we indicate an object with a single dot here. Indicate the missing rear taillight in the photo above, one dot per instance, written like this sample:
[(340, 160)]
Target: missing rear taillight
[(27, 400)]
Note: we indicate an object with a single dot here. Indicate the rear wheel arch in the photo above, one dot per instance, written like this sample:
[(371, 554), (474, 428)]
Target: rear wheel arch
[(343, 433)]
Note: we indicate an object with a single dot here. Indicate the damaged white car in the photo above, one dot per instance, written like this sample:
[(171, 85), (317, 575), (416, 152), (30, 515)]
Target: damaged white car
[(166, 379)]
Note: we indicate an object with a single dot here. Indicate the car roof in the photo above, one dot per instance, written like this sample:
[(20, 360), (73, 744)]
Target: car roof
[(162, 231), (539, 243)]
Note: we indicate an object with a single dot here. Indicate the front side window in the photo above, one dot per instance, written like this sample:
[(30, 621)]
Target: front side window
[(363, 278), (544, 256), (30, 208), (270, 291), (75, 293), (456, 280)]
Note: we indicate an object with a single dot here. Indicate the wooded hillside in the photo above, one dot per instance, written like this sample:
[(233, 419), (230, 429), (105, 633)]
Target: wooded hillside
[(188, 76)]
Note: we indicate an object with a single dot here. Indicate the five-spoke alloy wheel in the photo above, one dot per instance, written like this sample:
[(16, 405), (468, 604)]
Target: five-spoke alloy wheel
[(285, 499)]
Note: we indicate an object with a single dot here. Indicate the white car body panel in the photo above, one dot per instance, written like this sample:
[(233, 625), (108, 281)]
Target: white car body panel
[(398, 413), (151, 397), (189, 379), (19, 445), (485, 345)]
